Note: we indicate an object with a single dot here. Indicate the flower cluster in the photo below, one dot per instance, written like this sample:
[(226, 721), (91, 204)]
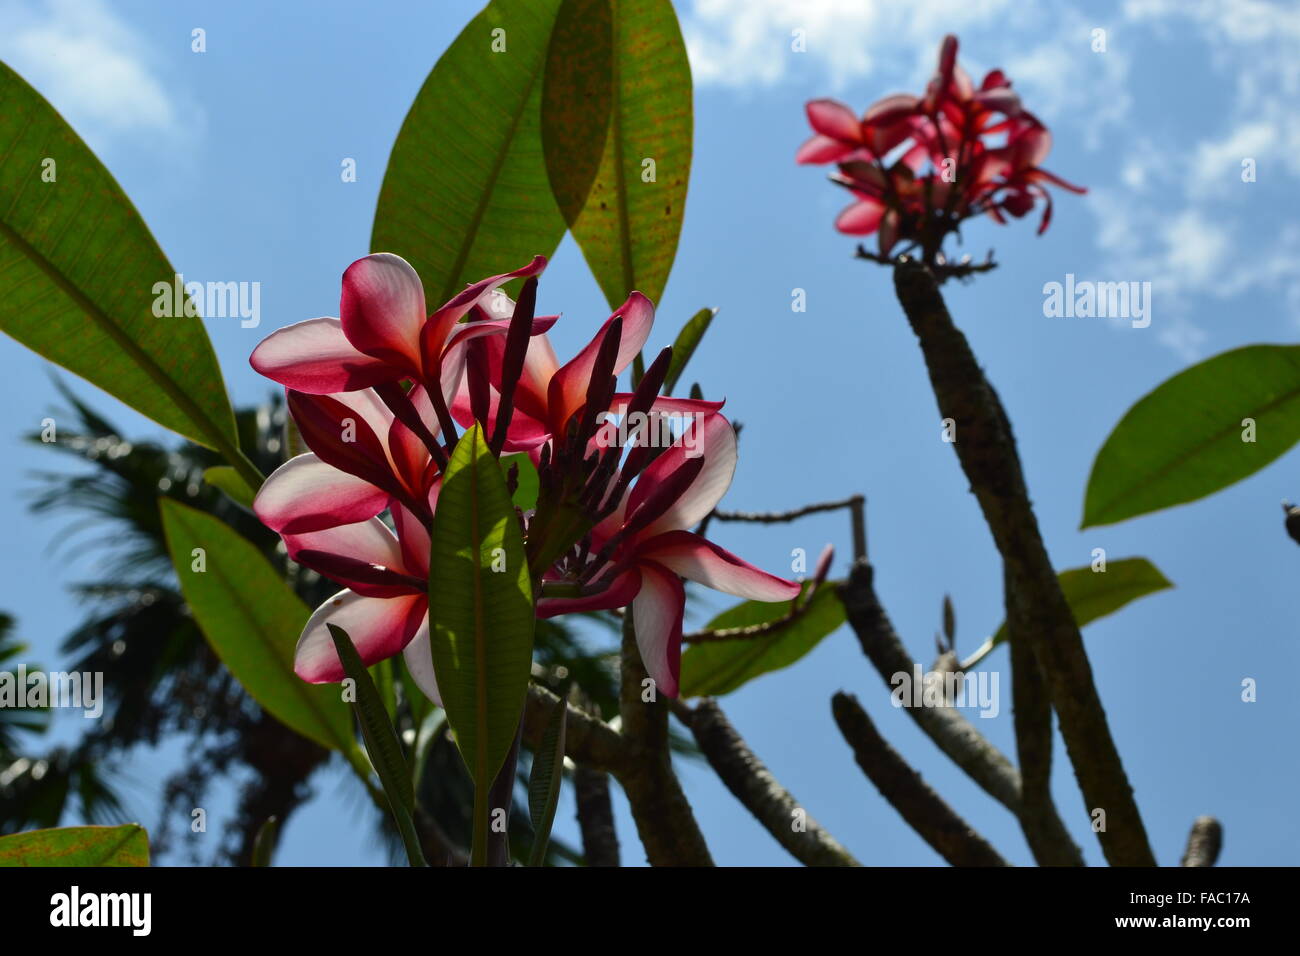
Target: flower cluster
[(378, 396), (918, 166)]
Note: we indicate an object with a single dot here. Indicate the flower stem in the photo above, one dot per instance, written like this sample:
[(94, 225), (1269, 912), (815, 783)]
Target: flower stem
[(479, 847)]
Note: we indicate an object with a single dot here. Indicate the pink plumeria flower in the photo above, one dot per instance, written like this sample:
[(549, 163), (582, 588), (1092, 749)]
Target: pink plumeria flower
[(384, 607), (839, 135), (548, 393), (919, 166), (361, 457), (638, 553), (384, 334)]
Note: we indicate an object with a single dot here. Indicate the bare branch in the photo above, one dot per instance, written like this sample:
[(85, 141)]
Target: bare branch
[(749, 631), (1038, 612), (946, 726), (1204, 842), (781, 517), (965, 268), (664, 819), (755, 787), (855, 504), (588, 740), (595, 816), (925, 811), (1043, 829)]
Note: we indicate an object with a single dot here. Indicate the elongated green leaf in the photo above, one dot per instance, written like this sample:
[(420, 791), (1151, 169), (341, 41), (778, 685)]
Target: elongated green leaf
[(466, 195), (264, 844), (376, 729), (480, 607), (384, 674), (1185, 440), (544, 781), (126, 845), (232, 483), (685, 344), (79, 266), (381, 744), (577, 94), (1094, 594), (252, 620), (629, 227), (719, 667)]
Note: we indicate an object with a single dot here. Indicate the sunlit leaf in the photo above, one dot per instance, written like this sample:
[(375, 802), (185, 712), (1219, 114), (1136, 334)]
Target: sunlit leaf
[(1192, 435), (79, 268), (252, 620), (1094, 594), (126, 845), (685, 344), (629, 226), (480, 607), (719, 667), (466, 194)]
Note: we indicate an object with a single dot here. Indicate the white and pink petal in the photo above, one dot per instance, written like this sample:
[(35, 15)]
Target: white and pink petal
[(305, 494), (378, 627)]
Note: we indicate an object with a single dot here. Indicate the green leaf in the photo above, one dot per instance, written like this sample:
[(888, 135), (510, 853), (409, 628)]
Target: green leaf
[(384, 674), (252, 620), (1094, 594), (577, 95), (126, 845), (376, 728), (264, 843), (719, 667), (381, 743), (79, 268), (465, 195), (480, 619), (529, 483), (629, 227), (684, 346), (544, 781), (232, 483), (1183, 441)]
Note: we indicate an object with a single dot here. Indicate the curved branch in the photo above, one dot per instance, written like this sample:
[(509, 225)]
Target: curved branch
[(664, 819), (595, 813), (755, 787), (1204, 842), (938, 824), (951, 732), (1038, 613)]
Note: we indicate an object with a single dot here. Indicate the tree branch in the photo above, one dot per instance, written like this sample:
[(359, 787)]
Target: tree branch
[(588, 740), (1046, 835), (755, 787), (1038, 613), (951, 732), (854, 503), (952, 837), (663, 816), (595, 816), (963, 269), (1204, 842)]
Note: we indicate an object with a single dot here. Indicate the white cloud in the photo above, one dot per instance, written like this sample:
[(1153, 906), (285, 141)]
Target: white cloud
[(741, 43), (89, 64), (1187, 222)]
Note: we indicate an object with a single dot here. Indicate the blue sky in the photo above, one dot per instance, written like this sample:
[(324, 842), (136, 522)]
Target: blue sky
[(233, 158)]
